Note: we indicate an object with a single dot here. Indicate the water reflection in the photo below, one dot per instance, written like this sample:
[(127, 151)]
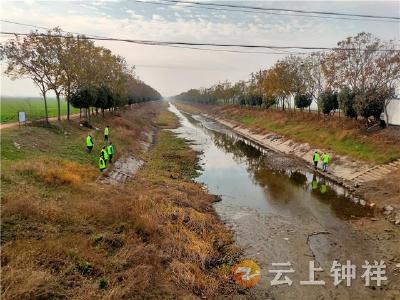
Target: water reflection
[(246, 175)]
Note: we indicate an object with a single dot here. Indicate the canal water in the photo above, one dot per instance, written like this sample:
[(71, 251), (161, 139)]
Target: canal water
[(279, 210)]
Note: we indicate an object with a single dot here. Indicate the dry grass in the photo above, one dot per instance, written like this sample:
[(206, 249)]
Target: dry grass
[(192, 109), (58, 172), (166, 119), (64, 235)]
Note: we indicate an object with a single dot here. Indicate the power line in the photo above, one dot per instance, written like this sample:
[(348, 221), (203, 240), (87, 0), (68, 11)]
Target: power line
[(46, 28), (258, 8), (221, 45), (183, 47), (262, 12), (234, 51), (175, 43)]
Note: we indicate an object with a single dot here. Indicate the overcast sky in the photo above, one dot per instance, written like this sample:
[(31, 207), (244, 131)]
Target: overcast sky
[(173, 70)]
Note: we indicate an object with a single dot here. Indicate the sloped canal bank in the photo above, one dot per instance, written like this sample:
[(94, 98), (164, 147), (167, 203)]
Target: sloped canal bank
[(282, 213)]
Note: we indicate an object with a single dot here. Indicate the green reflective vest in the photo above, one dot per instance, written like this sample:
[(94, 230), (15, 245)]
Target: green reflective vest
[(106, 131), (102, 163), (316, 157), (325, 158), (110, 149), (89, 141), (104, 154)]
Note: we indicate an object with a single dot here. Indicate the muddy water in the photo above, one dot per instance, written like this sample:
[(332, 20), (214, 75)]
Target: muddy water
[(280, 212)]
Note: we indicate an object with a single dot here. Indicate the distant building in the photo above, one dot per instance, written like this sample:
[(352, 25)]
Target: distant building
[(393, 110)]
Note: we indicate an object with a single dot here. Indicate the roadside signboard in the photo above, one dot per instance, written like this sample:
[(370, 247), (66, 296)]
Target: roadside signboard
[(21, 118)]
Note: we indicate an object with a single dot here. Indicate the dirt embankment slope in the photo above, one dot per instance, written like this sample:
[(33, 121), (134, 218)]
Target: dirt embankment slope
[(66, 234)]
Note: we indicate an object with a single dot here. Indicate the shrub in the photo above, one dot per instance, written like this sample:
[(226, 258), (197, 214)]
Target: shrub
[(302, 101), (328, 101)]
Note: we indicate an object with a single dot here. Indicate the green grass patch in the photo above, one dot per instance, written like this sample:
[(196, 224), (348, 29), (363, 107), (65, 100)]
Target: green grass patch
[(33, 107), (170, 158), (167, 119), (59, 140)]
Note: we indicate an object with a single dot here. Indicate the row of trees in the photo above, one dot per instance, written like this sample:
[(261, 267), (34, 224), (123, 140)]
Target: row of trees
[(74, 67), (359, 78)]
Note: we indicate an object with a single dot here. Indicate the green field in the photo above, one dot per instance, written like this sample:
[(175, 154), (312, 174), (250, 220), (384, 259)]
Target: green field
[(34, 108)]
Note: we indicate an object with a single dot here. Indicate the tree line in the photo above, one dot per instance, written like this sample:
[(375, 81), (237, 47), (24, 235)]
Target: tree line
[(358, 77), (88, 76)]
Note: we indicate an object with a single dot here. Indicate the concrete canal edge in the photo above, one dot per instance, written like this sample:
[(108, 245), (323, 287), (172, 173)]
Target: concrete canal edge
[(342, 170)]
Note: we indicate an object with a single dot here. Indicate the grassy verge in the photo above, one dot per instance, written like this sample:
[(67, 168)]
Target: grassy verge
[(166, 119), (342, 136), (33, 107), (66, 235)]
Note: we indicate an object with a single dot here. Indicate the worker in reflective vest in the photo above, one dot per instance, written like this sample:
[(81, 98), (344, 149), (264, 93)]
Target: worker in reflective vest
[(102, 164), (106, 133), (104, 153), (325, 161), (89, 143), (316, 159), (110, 152)]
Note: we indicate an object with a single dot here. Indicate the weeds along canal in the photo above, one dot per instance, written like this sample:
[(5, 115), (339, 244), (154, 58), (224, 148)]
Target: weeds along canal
[(279, 210)]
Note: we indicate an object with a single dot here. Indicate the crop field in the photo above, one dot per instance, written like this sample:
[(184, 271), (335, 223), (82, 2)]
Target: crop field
[(33, 106)]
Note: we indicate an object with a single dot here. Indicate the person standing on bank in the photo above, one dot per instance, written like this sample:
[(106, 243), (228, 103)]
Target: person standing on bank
[(106, 132), (325, 161), (104, 153), (89, 143), (316, 159), (110, 151), (102, 163)]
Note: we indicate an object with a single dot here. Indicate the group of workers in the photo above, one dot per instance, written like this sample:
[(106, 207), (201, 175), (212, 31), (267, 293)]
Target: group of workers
[(107, 151), (324, 158)]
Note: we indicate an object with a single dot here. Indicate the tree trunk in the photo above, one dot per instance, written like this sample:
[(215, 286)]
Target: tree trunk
[(80, 114), (68, 109), (46, 112), (58, 106), (385, 105), (68, 105)]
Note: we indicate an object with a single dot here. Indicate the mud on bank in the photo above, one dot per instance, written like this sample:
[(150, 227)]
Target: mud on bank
[(66, 235)]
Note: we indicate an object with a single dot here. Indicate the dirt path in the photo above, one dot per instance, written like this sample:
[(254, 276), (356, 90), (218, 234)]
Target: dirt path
[(52, 119)]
